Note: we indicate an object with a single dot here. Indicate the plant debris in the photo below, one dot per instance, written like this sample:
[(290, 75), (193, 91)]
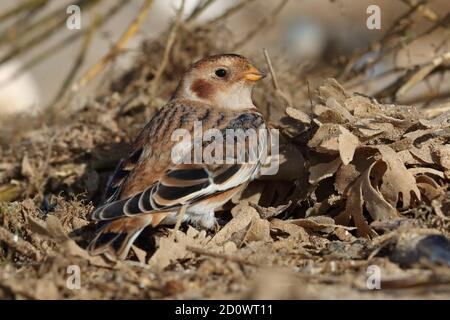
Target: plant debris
[(361, 183)]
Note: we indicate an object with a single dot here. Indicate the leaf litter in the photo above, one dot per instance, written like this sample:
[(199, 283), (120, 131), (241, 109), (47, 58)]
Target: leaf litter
[(360, 184)]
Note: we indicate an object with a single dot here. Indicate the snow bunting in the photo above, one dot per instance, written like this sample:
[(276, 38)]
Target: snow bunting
[(152, 184)]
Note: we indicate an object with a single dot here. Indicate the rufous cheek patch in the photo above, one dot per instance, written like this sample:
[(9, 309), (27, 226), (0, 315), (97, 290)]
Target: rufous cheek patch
[(202, 88)]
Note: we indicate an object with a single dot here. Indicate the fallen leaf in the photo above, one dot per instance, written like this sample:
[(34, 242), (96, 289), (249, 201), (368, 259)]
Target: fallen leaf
[(334, 138), (259, 231), (396, 179), (354, 209), (348, 143), (173, 248), (270, 212), (319, 223), (298, 115), (376, 205), (322, 171)]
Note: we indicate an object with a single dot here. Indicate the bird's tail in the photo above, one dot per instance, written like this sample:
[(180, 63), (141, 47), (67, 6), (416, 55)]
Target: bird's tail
[(115, 238)]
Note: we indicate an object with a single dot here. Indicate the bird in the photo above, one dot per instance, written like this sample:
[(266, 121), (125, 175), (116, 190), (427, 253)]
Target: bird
[(149, 187)]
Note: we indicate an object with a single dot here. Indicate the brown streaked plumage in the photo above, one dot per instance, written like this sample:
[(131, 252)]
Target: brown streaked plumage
[(148, 187)]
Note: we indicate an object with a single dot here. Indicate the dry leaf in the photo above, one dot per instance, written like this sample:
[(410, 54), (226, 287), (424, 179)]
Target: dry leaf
[(319, 223), (343, 112), (344, 235), (269, 212), (291, 229), (376, 205), (348, 143), (259, 231), (345, 177), (243, 215), (354, 209), (333, 138), (173, 248), (396, 179), (322, 171), (298, 115), (332, 89)]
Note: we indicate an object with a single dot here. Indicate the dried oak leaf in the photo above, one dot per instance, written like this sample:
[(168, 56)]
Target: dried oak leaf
[(259, 230), (245, 220), (428, 187), (319, 223), (332, 89), (360, 106), (322, 207), (443, 153), (345, 176), (376, 205), (326, 114), (289, 162), (298, 115), (270, 212), (251, 194), (342, 112), (396, 179), (354, 209), (441, 121), (173, 248), (293, 230), (323, 170), (334, 138), (369, 128)]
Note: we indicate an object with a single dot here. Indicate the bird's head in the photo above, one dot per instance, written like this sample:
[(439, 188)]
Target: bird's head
[(224, 81)]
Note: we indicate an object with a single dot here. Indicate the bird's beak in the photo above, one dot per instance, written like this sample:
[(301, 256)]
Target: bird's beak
[(253, 74)]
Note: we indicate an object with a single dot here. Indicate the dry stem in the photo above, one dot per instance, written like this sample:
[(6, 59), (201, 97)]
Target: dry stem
[(119, 45)]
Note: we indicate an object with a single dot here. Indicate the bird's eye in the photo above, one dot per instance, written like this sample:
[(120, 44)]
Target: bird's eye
[(221, 72)]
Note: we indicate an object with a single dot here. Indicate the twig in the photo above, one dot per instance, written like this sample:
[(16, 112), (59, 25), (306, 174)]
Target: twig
[(230, 11), (310, 97), (169, 44), (119, 45), (424, 71), (397, 26), (52, 21), (424, 9), (272, 72), (51, 24), (18, 244), (432, 112), (221, 256), (199, 9), (381, 46), (428, 97), (78, 62), (443, 22), (413, 73), (275, 80), (21, 7), (267, 20), (62, 44)]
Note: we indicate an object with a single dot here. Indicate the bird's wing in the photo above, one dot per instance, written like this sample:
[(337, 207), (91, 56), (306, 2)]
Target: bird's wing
[(151, 182)]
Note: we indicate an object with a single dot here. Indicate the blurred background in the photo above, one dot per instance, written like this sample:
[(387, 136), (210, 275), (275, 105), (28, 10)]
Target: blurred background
[(41, 59)]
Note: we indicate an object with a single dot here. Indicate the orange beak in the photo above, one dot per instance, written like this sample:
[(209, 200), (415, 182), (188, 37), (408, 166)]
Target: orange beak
[(253, 74)]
